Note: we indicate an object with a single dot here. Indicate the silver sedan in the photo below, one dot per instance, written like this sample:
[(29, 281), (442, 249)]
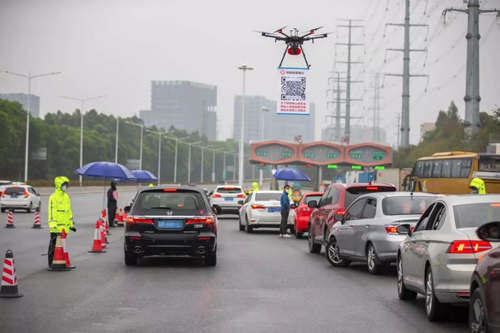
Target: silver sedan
[(438, 257), (368, 230)]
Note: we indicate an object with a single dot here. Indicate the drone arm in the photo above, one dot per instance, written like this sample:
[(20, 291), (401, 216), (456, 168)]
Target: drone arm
[(305, 59)]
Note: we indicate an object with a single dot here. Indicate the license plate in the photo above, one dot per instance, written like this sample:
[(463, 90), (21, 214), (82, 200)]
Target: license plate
[(13, 196), (228, 199), (273, 210), (170, 224)]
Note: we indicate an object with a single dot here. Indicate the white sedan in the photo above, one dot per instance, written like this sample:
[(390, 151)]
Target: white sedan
[(20, 197), (261, 210)]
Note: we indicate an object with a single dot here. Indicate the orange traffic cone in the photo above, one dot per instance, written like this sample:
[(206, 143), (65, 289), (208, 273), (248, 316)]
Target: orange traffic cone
[(96, 245), (9, 286), (36, 222), (65, 250), (58, 261), (10, 220), (102, 232)]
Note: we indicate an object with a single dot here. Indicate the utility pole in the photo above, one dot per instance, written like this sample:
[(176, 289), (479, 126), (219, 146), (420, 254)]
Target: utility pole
[(202, 166), (398, 130), (213, 166), (472, 95), (376, 108), (175, 159), (189, 165), (244, 69), (116, 138), (405, 113), (349, 80)]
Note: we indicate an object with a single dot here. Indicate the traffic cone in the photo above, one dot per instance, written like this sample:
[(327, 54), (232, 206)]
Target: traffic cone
[(58, 261), (10, 220), (9, 287), (96, 245), (36, 222), (102, 233), (65, 250)]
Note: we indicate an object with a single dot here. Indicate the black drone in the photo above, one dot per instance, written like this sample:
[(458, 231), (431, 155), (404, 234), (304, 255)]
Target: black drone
[(294, 41)]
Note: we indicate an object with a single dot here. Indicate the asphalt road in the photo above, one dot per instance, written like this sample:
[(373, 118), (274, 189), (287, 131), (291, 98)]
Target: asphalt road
[(261, 284)]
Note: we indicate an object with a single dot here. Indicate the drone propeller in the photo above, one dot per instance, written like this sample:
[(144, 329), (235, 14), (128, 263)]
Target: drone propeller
[(280, 30), (310, 32)]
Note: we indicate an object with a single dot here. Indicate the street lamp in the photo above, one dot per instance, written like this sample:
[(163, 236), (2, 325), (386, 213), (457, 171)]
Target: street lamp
[(29, 77), (244, 69), (263, 110), (82, 111), (141, 126), (160, 134)]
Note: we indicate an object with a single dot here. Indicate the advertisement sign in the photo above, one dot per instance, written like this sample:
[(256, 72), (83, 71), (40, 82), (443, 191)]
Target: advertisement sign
[(293, 99)]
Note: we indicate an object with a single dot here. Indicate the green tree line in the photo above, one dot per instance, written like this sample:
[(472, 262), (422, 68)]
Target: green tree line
[(450, 134), (59, 134)]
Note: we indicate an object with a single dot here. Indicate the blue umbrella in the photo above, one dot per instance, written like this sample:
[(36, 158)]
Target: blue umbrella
[(143, 176), (106, 170), (291, 174)]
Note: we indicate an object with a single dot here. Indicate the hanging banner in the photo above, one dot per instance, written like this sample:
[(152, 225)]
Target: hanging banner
[(293, 92)]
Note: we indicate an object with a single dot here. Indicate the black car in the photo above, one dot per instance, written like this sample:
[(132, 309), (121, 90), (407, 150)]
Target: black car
[(484, 309), (171, 221)]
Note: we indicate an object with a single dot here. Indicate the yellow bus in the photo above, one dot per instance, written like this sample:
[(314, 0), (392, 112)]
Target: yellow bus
[(451, 173)]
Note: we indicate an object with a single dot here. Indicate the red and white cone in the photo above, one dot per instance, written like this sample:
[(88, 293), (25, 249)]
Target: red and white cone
[(96, 245), (10, 220), (36, 222), (58, 261), (9, 287), (102, 232), (65, 251)]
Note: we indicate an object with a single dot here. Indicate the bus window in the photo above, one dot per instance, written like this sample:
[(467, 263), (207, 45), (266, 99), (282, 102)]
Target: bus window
[(461, 168), (419, 169), (489, 163), (436, 169), (427, 169), (446, 169)]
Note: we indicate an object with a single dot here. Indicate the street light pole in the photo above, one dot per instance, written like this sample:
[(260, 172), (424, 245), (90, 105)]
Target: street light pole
[(175, 160), (202, 166), (82, 111), (213, 167), (224, 168), (116, 139), (263, 110), (189, 165), (141, 141), (244, 69), (29, 77)]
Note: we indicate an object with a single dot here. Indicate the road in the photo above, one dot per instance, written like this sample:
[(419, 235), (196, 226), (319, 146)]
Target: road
[(261, 284)]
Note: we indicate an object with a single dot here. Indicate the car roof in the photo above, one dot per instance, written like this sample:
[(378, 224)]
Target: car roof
[(312, 193), (235, 186), (268, 191), (352, 185), (470, 198), (382, 195), (176, 186)]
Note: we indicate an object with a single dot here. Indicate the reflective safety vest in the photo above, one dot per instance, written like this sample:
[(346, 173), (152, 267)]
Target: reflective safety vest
[(479, 184), (60, 215)]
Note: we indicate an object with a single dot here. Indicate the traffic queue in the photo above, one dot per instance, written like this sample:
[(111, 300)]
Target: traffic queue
[(444, 247)]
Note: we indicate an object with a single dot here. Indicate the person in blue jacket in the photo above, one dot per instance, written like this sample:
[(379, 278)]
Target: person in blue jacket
[(285, 210)]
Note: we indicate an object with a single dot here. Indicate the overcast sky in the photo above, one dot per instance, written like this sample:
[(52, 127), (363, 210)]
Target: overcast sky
[(116, 47)]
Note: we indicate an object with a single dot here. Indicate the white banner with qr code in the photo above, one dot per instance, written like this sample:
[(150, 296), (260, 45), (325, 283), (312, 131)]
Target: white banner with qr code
[(293, 92)]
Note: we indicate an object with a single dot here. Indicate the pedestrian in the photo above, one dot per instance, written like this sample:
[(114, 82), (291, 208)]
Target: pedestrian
[(60, 214), (112, 203), (285, 210), (477, 186)]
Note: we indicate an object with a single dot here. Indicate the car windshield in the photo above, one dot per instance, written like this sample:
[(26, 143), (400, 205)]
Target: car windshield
[(489, 163), (476, 214), (15, 191), (228, 190), (354, 192), (180, 202), (312, 198), (267, 196), (408, 205)]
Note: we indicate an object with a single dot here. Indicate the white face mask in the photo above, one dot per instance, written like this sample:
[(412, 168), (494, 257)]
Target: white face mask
[(64, 187)]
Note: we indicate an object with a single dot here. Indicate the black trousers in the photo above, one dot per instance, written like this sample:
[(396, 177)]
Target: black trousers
[(111, 214), (52, 246), (284, 220)]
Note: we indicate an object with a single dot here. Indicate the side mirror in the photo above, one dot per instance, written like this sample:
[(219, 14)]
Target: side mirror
[(241, 202), (489, 232), (126, 209), (404, 229), (312, 204)]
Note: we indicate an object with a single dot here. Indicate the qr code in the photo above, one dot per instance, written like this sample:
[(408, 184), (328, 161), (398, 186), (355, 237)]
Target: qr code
[(293, 89)]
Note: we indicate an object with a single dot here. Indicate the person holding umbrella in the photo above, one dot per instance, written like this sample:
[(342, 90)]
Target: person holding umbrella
[(112, 203), (285, 211)]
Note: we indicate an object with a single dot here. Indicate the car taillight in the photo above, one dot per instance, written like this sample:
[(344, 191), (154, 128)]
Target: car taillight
[(340, 211), (241, 195), (466, 246), (205, 220), (216, 195), (3, 194), (258, 207), (391, 229), (372, 188), (169, 189), (132, 220)]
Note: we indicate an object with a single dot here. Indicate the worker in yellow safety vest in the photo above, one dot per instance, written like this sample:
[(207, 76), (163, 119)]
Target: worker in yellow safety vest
[(477, 186), (60, 214)]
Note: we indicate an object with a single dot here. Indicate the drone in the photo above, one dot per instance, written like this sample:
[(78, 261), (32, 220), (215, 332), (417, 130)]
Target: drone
[(294, 40)]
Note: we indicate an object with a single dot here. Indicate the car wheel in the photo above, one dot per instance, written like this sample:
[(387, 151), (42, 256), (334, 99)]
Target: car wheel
[(477, 313), (211, 259), (130, 259), (3, 210), (433, 308), (248, 227), (333, 254), (30, 208), (403, 293), (372, 261), (313, 247)]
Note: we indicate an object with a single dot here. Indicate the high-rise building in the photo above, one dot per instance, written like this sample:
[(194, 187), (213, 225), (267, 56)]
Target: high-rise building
[(23, 100), (186, 105), (268, 125)]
